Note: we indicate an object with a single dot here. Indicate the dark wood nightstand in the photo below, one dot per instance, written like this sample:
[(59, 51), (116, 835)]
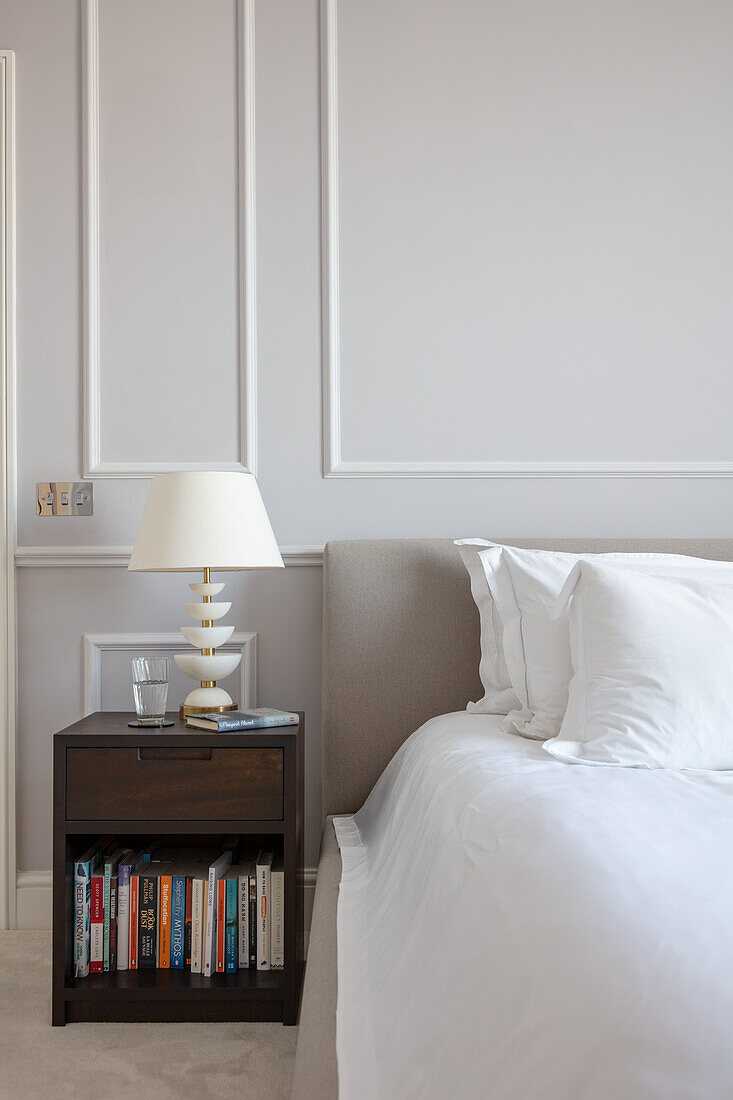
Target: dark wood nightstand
[(178, 785)]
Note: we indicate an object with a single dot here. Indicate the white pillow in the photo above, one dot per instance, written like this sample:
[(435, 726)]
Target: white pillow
[(653, 683), (525, 585), (499, 698)]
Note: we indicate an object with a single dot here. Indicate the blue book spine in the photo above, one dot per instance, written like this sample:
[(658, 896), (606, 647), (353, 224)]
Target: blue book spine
[(178, 918), (230, 934), (82, 893)]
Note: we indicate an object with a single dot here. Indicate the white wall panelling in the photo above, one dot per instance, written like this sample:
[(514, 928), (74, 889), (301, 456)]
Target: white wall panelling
[(442, 199), (94, 465), (47, 557), (7, 491), (95, 645), (494, 179)]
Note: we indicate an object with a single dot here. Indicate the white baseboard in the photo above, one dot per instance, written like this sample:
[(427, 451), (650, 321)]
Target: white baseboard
[(35, 899)]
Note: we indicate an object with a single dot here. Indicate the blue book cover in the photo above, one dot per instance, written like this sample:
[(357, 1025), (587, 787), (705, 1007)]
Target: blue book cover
[(178, 918), (84, 867), (230, 934), (235, 720)]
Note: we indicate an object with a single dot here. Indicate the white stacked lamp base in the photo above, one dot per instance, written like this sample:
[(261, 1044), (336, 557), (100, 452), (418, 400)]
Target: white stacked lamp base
[(207, 666)]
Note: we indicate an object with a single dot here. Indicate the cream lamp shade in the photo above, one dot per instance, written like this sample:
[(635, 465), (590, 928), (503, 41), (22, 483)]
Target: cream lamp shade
[(205, 520)]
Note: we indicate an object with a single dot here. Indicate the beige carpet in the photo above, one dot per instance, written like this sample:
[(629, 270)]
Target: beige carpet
[(139, 1061)]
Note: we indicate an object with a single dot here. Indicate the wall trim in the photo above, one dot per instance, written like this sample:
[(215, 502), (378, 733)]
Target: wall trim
[(333, 463), (92, 462), (531, 469), (85, 557), (35, 898), (94, 645), (8, 495)]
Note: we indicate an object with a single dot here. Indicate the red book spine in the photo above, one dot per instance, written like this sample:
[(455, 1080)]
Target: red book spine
[(96, 929), (221, 921), (134, 883)]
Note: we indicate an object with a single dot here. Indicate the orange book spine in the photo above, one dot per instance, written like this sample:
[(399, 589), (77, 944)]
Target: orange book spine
[(221, 921), (164, 928), (134, 883)]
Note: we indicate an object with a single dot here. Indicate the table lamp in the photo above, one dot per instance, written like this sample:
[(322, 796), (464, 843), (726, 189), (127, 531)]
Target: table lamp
[(210, 521)]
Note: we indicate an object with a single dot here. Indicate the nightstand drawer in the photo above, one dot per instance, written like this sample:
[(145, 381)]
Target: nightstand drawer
[(177, 784)]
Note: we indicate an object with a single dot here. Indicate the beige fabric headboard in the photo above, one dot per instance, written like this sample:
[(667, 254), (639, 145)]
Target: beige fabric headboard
[(401, 644)]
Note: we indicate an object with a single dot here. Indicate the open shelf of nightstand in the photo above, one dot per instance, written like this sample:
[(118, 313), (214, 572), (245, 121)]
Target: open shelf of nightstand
[(167, 994)]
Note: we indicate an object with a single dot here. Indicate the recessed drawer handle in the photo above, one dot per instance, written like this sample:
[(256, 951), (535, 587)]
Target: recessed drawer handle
[(194, 753)]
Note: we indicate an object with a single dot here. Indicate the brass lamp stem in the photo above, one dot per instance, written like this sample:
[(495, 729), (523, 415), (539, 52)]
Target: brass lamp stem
[(207, 622)]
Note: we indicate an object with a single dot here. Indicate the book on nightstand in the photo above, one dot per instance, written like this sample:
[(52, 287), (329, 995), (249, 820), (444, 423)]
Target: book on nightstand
[(264, 870), (148, 919), (216, 870), (111, 863), (246, 874), (164, 921), (124, 871), (96, 922), (277, 914), (199, 898), (84, 868), (235, 720)]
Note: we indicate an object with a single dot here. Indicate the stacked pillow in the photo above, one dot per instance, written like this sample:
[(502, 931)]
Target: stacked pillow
[(641, 645)]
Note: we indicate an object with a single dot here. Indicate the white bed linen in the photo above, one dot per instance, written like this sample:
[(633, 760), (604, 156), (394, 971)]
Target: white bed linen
[(510, 928)]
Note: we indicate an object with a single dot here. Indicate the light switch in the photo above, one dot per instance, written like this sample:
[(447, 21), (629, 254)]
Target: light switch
[(64, 498)]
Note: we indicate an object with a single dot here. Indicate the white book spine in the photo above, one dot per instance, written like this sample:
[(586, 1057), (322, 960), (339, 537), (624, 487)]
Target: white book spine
[(123, 926), (277, 926), (210, 934), (216, 870), (263, 916), (243, 922), (197, 909)]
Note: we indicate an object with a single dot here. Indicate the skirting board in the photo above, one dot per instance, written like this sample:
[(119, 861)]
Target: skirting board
[(35, 899)]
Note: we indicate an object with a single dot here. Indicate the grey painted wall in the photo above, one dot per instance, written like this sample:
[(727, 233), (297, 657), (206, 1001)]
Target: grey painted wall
[(534, 266)]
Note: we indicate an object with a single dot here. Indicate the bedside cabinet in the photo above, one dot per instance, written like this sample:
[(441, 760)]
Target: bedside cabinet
[(179, 786)]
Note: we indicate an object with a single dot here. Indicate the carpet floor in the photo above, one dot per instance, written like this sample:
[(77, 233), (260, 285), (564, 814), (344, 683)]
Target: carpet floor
[(140, 1061)]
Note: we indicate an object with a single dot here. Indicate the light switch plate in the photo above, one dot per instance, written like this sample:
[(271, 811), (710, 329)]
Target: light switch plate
[(64, 498)]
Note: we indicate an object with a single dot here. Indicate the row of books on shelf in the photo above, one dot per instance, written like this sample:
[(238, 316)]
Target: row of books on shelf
[(203, 910)]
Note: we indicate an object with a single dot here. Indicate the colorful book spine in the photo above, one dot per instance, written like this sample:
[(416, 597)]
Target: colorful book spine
[(113, 891), (188, 923), (230, 936), (96, 924), (148, 920), (216, 870), (198, 917), (253, 920), (221, 921), (243, 922), (178, 920), (123, 916), (134, 926), (110, 869), (264, 868), (277, 914), (83, 870), (164, 921)]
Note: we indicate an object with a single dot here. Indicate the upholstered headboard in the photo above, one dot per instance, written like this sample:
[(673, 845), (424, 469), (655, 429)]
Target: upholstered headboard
[(401, 644)]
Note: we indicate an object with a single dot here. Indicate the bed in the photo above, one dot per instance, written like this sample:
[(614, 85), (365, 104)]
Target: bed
[(401, 646)]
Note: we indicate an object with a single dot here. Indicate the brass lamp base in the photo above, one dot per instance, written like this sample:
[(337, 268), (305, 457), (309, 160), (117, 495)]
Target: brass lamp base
[(183, 710)]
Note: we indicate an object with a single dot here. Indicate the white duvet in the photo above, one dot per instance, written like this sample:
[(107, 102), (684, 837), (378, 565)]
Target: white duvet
[(510, 926)]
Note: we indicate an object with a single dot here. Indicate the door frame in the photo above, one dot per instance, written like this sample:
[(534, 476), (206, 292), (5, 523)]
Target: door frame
[(8, 687)]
